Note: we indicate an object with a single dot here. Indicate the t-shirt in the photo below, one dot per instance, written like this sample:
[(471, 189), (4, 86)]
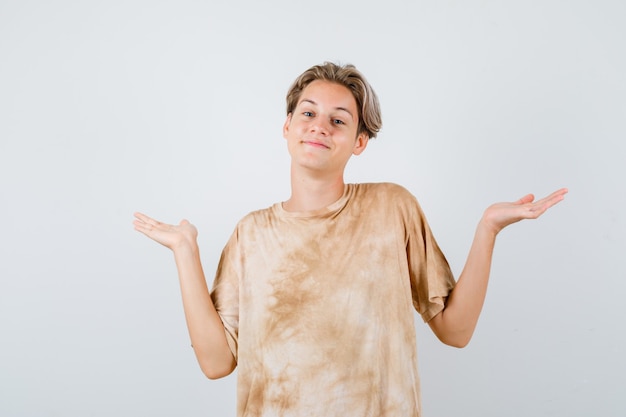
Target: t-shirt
[(318, 305)]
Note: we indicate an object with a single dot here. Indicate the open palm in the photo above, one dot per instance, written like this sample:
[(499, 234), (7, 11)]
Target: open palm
[(500, 215), (168, 235)]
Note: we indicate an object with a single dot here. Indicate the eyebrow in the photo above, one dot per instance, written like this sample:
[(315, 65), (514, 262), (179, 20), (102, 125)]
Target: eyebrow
[(308, 100)]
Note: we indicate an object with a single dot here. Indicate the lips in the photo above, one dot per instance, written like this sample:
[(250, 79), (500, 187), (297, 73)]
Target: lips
[(316, 144)]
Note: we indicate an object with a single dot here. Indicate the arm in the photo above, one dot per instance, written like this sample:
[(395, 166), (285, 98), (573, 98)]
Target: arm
[(455, 324), (206, 329)]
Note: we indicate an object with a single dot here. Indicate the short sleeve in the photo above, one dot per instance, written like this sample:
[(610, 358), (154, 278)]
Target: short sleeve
[(431, 277), (225, 292)]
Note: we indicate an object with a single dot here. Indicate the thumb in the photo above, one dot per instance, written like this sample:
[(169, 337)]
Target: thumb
[(528, 198)]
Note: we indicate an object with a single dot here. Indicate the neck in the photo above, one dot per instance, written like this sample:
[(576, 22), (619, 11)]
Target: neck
[(309, 192)]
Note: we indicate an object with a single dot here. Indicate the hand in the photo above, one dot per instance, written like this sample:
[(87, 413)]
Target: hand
[(170, 236), (500, 215)]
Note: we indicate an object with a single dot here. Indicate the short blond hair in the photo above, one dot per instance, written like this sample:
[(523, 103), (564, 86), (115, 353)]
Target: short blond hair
[(370, 119)]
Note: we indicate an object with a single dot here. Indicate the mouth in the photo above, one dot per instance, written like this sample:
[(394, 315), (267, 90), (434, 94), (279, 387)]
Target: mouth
[(315, 144)]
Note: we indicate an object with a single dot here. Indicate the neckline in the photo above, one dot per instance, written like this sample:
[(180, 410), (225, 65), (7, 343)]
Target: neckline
[(319, 213)]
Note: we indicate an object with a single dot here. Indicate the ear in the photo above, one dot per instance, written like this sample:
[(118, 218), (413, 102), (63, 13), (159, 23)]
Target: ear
[(361, 143), (286, 126)]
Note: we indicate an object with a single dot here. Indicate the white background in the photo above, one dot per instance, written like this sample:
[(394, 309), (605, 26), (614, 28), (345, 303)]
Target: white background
[(175, 108)]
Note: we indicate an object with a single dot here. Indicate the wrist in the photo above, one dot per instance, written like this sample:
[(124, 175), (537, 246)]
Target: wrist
[(487, 229), (185, 247)]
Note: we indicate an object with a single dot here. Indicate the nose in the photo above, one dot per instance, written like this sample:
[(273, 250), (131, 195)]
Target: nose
[(321, 126)]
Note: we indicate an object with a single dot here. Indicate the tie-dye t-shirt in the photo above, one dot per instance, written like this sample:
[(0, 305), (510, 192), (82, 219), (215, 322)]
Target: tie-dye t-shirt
[(318, 306)]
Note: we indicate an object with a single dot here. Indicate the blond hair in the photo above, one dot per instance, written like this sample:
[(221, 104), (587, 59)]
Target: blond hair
[(370, 120)]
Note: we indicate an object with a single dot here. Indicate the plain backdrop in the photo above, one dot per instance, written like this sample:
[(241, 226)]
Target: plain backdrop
[(175, 108)]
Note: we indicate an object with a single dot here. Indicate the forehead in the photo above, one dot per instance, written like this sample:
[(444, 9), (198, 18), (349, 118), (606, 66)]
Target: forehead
[(329, 95)]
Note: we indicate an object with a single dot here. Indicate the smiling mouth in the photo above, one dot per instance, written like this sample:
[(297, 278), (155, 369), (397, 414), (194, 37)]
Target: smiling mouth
[(315, 144)]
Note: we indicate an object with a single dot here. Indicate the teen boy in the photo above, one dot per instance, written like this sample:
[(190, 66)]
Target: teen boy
[(313, 297)]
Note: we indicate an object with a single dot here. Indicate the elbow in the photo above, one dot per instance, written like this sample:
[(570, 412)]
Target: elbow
[(215, 363), (217, 369), (456, 340), (213, 375), (457, 343), (216, 372), (452, 335)]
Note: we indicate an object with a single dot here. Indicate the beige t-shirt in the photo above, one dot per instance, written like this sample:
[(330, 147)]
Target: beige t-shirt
[(318, 306)]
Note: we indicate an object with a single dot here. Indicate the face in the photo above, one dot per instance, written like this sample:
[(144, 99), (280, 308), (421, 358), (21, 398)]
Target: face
[(321, 132)]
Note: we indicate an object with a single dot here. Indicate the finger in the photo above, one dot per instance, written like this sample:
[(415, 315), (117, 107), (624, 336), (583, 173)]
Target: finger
[(141, 216), (528, 198), (556, 194), (553, 198), (541, 206), (146, 223), (142, 227), (146, 219)]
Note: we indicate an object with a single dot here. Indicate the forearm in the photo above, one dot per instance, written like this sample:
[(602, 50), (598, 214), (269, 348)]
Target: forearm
[(206, 329), (456, 323)]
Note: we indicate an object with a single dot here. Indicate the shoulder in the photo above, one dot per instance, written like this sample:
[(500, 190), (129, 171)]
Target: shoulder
[(250, 227), (257, 217), (387, 190), (388, 198)]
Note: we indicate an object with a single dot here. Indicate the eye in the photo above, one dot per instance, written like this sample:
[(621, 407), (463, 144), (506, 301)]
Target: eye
[(338, 122), (307, 113)]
